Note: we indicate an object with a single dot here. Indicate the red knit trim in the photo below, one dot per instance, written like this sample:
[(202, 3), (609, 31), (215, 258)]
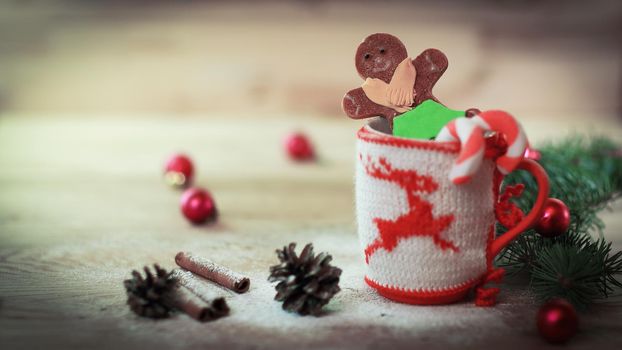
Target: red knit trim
[(367, 134), (423, 297), (486, 297), (506, 212), (419, 220), (532, 217)]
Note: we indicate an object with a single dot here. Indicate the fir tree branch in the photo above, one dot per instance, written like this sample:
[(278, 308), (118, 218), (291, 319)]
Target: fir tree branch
[(586, 174)]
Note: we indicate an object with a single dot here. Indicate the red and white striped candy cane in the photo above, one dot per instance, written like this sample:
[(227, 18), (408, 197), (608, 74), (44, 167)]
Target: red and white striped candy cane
[(502, 122), (471, 137)]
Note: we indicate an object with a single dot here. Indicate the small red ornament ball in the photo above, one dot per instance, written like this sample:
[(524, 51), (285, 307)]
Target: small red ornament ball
[(557, 321), (299, 147), (179, 171), (555, 219), (197, 205)]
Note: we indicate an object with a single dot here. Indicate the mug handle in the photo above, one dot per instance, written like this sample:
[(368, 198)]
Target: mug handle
[(542, 179)]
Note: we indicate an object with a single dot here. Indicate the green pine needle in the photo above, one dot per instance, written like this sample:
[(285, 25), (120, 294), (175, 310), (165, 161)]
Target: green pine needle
[(586, 174), (568, 272)]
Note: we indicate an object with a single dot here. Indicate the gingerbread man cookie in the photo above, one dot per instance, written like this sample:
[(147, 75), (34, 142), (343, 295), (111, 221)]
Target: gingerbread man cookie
[(377, 60)]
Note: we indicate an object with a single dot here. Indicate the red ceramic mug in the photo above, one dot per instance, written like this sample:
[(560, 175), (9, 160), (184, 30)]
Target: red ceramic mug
[(427, 240)]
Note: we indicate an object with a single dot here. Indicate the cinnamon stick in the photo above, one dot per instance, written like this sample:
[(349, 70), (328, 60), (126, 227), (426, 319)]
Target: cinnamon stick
[(213, 272), (200, 287), (182, 298)]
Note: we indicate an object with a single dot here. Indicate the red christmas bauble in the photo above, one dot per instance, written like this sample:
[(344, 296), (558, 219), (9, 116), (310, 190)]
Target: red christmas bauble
[(179, 171), (299, 147), (555, 219), (557, 321), (197, 205), (496, 145)]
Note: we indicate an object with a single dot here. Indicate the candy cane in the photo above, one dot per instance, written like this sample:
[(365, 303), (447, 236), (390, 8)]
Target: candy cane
[(471, 137), (502, 122)]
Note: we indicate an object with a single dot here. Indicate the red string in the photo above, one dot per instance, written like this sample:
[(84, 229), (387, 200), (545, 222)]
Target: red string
[(508, 213), (488, 296)]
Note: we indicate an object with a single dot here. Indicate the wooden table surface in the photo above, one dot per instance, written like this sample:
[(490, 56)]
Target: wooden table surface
[(82, 203)]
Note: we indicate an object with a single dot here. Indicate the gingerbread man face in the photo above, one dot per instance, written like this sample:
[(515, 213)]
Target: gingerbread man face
[(378, 56)]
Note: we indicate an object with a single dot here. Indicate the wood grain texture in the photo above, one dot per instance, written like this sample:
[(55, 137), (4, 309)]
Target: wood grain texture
[(297, 56), (82, 204)]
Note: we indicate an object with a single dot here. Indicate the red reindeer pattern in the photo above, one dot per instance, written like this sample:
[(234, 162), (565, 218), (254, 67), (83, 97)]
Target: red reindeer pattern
[(418, 221)]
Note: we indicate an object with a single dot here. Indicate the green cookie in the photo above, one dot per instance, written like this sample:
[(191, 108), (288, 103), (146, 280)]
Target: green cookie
[(424, 121)]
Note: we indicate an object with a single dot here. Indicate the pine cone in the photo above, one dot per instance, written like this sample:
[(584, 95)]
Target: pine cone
[(306, 283), (146, 296)]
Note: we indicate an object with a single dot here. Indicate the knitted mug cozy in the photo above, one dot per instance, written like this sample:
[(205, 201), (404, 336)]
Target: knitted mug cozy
[(425, 239)]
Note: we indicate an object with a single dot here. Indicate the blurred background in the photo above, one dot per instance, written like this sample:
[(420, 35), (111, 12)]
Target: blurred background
[(281, 59)]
